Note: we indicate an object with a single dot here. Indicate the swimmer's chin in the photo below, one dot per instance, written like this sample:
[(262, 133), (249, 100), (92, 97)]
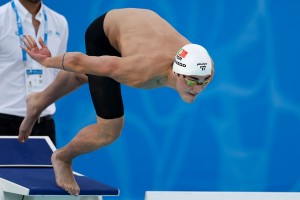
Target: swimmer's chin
[(189, 100)]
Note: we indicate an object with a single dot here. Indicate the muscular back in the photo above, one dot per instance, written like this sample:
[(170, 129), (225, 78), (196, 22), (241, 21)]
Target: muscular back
[(148, 43)]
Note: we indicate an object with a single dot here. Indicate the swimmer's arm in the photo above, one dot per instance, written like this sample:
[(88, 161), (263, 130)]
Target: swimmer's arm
[(71, 61), (82, 63)]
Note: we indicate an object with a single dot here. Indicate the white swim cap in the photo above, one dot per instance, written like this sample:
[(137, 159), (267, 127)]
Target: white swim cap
[(192, 59)]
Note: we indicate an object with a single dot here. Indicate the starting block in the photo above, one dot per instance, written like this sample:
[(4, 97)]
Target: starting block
[(183, 195), (26, 173)]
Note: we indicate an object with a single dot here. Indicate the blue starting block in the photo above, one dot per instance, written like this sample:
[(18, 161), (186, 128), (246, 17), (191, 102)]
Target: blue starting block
[(26, 173)]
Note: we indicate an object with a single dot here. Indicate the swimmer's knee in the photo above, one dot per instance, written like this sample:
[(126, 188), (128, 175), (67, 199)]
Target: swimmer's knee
[(116, 127), (111, 128)]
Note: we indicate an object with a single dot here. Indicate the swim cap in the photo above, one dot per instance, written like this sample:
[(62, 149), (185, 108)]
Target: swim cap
[(192, 59)]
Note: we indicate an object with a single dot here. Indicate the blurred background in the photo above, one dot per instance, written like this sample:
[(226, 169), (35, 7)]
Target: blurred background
[(243, 131)]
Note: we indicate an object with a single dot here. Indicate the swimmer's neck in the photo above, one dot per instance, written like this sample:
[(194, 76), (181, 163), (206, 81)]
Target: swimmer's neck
[(170, 79)]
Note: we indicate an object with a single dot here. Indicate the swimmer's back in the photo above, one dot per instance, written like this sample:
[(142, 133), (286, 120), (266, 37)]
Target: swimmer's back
[(140, 30), (147, 43)]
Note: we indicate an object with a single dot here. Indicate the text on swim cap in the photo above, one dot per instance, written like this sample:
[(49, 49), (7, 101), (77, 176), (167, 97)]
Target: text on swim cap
[(202, 66), (178, 57), (180, 64)]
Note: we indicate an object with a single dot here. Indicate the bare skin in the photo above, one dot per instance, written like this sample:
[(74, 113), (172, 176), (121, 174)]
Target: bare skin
[(64, 83), (33, 6), (148, 45)]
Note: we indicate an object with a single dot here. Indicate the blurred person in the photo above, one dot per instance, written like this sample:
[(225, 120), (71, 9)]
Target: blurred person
[(19, 74), (134, 47)]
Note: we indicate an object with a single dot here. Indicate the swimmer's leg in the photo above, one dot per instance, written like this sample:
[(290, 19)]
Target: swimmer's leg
[(64, 83), (87, 140), (107, 100)]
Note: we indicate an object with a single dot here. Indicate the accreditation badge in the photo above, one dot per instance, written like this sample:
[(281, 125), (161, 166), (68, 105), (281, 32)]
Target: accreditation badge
[(34, 79)]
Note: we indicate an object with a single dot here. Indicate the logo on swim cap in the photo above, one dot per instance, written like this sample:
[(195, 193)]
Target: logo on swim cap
[(192, 59), (182, 53)]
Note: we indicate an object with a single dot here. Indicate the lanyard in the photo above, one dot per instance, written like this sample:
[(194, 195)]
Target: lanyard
[(20, 28)]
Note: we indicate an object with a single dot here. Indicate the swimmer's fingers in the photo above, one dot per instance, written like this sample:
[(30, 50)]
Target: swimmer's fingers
[(25, 42), (29, 42), (41, 41)]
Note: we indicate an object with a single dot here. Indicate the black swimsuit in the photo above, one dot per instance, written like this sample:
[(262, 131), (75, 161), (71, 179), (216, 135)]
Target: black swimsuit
[(105, 92)]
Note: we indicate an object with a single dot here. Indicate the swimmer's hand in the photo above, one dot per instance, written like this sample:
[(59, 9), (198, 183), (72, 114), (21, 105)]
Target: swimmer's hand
[(38, 54)]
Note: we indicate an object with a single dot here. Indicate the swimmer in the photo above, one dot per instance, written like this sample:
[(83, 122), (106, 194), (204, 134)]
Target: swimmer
[(134, 47)]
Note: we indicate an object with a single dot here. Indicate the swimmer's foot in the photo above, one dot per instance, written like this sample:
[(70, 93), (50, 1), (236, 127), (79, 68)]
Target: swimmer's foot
[(63, 174), (33, 113)]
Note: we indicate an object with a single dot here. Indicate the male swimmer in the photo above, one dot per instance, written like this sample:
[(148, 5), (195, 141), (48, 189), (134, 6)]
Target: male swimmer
[(135, 47)]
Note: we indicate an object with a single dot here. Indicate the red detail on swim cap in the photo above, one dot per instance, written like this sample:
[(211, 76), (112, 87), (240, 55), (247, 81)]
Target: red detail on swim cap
[(183, 53)]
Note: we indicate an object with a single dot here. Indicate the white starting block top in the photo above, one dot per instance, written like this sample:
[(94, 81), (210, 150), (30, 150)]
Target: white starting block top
[(26, 170), (168, 195)]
